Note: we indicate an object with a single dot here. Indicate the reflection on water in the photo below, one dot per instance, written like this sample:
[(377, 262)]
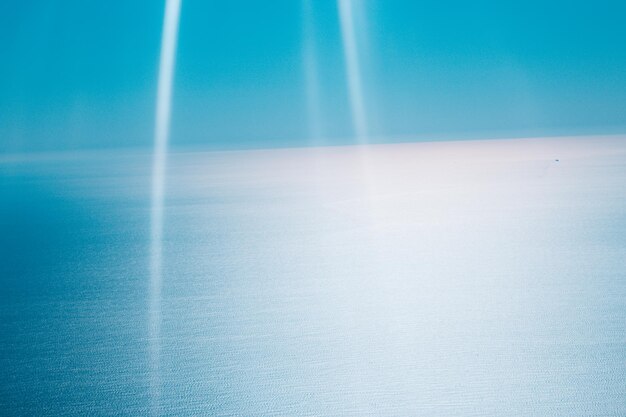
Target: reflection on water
[(487, 279)]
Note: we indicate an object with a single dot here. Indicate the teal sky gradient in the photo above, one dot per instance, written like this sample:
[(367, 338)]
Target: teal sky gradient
[(78, 74)]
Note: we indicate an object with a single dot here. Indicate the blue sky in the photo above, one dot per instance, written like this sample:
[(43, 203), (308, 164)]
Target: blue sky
[(78, 74)]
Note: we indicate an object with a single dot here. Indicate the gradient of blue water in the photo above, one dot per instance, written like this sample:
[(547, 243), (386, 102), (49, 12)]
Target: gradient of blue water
[(471, 279)]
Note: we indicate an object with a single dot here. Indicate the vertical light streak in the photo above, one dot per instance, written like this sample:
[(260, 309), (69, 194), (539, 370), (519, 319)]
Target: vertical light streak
[(161, 136), (357, 106), (311, 74), (353, 69), (312, 94)]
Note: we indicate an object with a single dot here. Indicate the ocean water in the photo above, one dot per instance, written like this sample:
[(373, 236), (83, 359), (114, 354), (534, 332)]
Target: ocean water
[(439, 279)]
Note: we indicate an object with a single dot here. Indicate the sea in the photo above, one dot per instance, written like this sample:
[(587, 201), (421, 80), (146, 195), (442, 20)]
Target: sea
[(472, 278)]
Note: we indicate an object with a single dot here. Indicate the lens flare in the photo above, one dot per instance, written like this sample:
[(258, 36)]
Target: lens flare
[(353, 69), (311, 77), (161, 136)]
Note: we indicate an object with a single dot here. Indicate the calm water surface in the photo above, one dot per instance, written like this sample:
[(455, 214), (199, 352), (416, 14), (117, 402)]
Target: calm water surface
[(450, 279)]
